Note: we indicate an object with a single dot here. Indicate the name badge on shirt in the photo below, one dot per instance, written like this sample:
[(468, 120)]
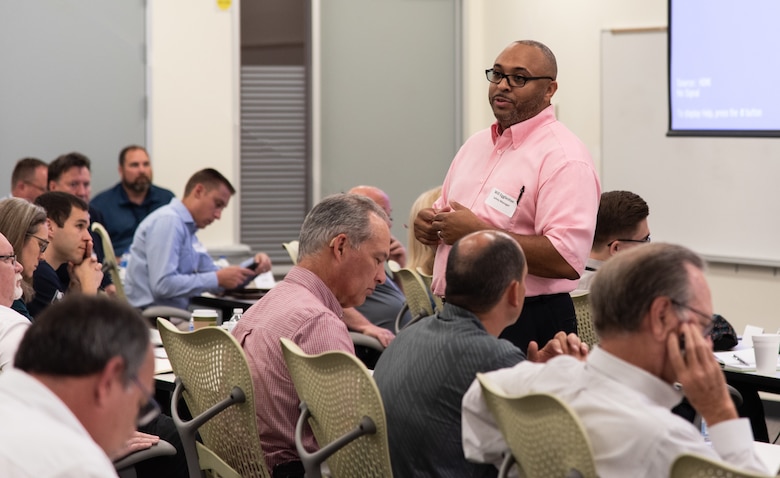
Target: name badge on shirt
[(502, 202)]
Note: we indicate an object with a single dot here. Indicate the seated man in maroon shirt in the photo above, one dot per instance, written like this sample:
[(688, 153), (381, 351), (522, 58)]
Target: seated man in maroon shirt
[(344, 243)]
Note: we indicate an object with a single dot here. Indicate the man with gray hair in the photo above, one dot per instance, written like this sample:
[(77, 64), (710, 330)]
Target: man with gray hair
[(83, 384), (643, 302), (344, 243)]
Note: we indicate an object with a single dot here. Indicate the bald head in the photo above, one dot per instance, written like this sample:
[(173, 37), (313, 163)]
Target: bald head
[(480, 267), (375, 194)]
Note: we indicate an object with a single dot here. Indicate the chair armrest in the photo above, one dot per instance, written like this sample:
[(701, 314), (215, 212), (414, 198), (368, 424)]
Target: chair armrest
[(366, 341), (161, 448), (312, 461)]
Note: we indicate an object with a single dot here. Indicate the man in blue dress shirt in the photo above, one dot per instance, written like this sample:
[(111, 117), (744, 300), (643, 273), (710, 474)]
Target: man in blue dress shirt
[(133, 198), (168, 264)]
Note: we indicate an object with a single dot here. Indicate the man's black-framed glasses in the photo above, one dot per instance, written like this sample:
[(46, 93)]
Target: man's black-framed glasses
[(9, 259), (42, 243), (710, 319), (515, 81), (149, 410), (643, 240)]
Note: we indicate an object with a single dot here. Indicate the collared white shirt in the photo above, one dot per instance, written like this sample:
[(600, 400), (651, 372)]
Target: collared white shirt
[(40, 437), (624, 409)]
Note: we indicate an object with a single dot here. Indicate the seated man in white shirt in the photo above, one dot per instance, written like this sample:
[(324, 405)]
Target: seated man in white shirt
[(76, 397), (13, 325), (643, 301)]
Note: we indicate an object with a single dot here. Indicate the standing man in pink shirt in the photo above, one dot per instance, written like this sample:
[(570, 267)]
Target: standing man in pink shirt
[(527, 175)]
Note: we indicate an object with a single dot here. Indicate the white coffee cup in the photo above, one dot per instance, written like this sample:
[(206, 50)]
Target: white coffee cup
[(766, 348), (204, 317)]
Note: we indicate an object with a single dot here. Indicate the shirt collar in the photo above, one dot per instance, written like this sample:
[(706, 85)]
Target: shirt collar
[(184, 214), (634, 378), (517, 133), (451, 313), (312, 282), (593, 264)]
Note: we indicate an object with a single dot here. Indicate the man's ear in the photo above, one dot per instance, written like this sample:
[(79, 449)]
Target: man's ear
[(662, 318), (614, 247), (514, 293), (111, 377), (51, 225), (198, 190), (337, 245)]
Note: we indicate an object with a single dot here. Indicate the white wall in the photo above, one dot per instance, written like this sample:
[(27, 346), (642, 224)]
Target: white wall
[(193, 48), (572, 30), (193, 85)]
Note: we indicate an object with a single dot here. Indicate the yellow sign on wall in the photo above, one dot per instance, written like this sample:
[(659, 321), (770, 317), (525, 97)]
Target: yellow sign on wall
[(224, 4)]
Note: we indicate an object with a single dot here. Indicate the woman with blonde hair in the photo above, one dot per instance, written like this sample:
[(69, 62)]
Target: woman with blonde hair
[(419, 256), (24, 225)]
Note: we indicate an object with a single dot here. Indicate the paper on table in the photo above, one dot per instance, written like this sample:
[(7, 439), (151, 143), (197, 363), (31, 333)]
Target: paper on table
[(729, 360), (263, 281), (747, 335), (162, 365), (154, 334)]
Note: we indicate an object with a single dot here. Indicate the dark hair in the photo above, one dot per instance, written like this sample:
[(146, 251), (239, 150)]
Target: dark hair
[(549, 56), (211, 178), (127, 149), (338, 214), (63, 163), (77, 336), (25, 170), (477, 277), (59, 205), (625, 286), (620, 212)]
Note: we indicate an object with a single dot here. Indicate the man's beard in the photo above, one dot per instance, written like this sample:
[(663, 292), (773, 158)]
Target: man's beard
[(18, 291), (140, 185)]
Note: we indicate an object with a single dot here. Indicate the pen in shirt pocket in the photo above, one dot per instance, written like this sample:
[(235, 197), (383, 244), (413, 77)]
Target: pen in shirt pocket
[(520, 195)]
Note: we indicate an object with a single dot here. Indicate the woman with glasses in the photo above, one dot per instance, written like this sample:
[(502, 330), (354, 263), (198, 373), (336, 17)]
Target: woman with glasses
[(24, 225)]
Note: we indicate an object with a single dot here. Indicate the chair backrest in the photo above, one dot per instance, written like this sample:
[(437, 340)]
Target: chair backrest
[(428, 281), (339, 392), (544, 434), (696, 466), (585, 329), (418, 299), (292, 249), (110, 263), (210, 363)]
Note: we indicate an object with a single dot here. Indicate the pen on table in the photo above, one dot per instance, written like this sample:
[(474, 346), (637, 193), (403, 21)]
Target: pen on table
[(522, 190), (740, 359)]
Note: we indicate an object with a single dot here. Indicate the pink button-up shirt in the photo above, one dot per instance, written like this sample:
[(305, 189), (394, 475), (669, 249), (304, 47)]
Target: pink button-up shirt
[(560, 198), (302, 309)]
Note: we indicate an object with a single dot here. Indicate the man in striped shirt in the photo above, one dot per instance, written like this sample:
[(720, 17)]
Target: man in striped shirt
[(344, 243)]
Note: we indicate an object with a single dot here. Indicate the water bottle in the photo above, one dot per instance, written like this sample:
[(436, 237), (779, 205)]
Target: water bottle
[(231, 324), (192, 323), (222, 262)]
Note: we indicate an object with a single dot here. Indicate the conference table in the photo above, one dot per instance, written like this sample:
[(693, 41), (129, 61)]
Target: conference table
[(227, 302)]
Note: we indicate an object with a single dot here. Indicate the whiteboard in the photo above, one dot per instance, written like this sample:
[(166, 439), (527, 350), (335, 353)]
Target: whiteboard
[(718, 196)]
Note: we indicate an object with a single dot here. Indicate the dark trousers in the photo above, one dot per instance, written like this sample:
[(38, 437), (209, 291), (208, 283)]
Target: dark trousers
[(542, 317), (291, 469)]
